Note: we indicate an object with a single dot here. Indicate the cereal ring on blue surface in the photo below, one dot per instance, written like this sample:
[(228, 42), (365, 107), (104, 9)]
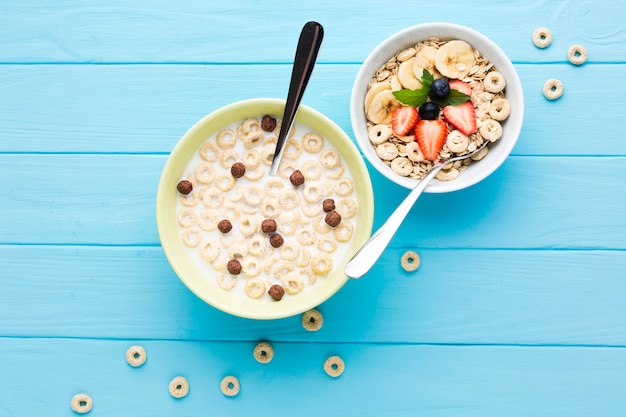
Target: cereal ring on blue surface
[(179, 387), (263, 352), (136, 356), (230, 386), (553, 89), (312, 320), (410, 261), (577, 54), (542, 37), (334, 366), (81, 403)]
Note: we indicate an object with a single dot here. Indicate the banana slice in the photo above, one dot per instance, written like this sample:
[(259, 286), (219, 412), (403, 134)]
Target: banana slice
[(455, 59), (425, 60), (407, 76), (382, 105), (395, 83), (375, 89)]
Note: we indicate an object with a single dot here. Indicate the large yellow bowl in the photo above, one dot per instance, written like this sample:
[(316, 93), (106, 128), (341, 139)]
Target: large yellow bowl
[(175, 251)]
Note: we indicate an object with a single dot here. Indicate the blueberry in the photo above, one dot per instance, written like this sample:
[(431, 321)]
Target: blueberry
[(429, 111), (440, 88)]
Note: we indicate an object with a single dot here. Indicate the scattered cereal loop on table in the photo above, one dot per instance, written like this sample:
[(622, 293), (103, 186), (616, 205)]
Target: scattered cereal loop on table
[(334, 366), (312, 320), (81, 403), (179, 387), (230, 386), (136, 356), (263, 352)]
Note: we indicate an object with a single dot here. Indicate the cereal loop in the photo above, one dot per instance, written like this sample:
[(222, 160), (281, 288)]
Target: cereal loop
[(267, 154), (292, 283), (287, 225), (378, 134), (306, 259), (312, 320), (249, 225), (191, 237), (327, 244), (270, 208), (293, 149), (253, 139), (230, 386), (272, 187), (263, 352), (542, 37), (330, 159), (251, 125), (256, 245), (553, 89), (255, 174), (313, 192), (136, 356), (213, 198), (337, 173), (344, 187), (311, 210), (251, 159), (189, 200), (254, 287), (225, 182), (209, 152), (577, 54), (283, 268), (208, 219), (179, 387), (226, 139), (334, 366), (210, 250), (410, 261), (205, 173), (306, 236), (251, 267), (187, 217), (226, 282), (253, 195), (312, 142), (228, 158), (290, 250), (343, 232), (81, 403), (321, 263), (312, 170), (289, 199)]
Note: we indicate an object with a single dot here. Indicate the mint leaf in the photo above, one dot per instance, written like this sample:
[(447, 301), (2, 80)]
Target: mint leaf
[(455, 97), (413, 98), (427, 79)]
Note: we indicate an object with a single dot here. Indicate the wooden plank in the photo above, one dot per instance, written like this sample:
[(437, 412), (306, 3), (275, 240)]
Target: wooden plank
[(525, 297), (530, 202), (147, 108), (248, 31), (407, 380)]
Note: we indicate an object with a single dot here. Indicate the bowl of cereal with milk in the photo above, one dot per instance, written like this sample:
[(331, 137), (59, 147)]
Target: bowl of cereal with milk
[(253, 244), (433, 92)]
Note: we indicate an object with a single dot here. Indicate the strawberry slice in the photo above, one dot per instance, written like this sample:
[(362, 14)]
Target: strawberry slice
[(403, 119), (462, 117), (431, 135), (461, 86)]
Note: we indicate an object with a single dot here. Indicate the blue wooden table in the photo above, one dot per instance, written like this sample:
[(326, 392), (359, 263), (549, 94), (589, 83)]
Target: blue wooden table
[(518, 309)]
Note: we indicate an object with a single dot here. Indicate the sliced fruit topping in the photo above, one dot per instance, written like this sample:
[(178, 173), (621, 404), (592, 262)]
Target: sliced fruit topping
[(440, 88), (381, 107), (403, 119), (429, 111), (461, 86), (430, 135), (462, 117), (454, 59)]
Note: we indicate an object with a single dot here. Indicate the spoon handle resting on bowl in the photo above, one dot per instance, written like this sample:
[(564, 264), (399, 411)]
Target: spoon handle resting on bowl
[(304, 61), (368, 254)]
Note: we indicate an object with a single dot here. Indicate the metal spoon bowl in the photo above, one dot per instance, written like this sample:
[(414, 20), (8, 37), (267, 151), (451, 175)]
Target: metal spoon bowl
[(368, 254)]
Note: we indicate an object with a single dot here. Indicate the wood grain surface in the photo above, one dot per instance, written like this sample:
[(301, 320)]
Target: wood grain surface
[(517, 309)]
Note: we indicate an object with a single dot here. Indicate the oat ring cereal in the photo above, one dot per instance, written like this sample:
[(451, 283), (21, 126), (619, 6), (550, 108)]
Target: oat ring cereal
[(495, 82), (379, 134), (226, 281), (225, 182), (577, 54), (413, 152), (292, 283), (312, 142), (208, 219), (209, 152), (253, 139), (213, 198), (179, 387), (312, 320), (312, 170), (330, 159), (293, 149), (326, 244), (290, 250), (387, 151), (228, 158), (410, 261), (313, 192), (136, 356), (81, 403), (187, 217), (289, 199), (205, 173), (251, 267), (402, 166), (226, 139), (491, 130), (191, 237), (447, 174), (343, 232), (190, 200), (255, 174), (321, 263), (283, 268), (334, 366), (542, 37), (253, 195), (344, 187), (311, 210), (553, 89), (230, 386), (263, 352), (500, 109), (248, 226), (337, 173), (256, 245), (306, 236), (255, 287), (251, 159)]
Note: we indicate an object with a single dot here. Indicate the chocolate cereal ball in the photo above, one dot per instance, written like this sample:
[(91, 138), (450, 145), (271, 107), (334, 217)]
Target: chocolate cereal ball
[(268, 226), (225, 226), (276, 292), (328, 205), (296, 178), (268, 123), (276, 240), (332, 218), (184, 187), (234, 267), (238, 169)]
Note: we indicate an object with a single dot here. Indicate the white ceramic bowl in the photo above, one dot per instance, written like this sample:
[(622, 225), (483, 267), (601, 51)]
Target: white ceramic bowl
[(498, 151)]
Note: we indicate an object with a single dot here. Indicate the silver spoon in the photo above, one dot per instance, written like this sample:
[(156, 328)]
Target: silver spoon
[(306, 54), (366, 257)]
